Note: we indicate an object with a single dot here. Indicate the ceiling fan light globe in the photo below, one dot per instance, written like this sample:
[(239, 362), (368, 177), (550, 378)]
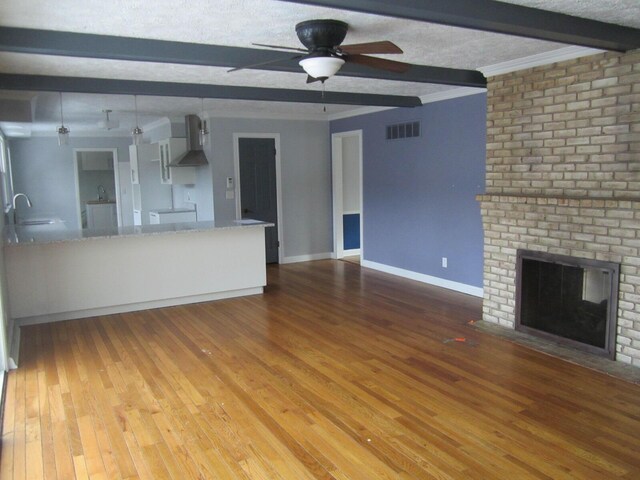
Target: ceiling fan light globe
[(321, 67)]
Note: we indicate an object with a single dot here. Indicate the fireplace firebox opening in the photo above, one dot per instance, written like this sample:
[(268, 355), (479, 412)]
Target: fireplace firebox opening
[(571, 300)]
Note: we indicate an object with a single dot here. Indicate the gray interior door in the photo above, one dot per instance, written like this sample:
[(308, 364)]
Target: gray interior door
[(258, 197)]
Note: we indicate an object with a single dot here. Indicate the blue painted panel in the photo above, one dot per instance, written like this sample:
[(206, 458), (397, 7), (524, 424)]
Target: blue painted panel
[(351, 231), (419, 193)]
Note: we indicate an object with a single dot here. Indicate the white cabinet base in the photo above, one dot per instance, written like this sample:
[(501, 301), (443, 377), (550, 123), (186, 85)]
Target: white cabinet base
[(82, 278), (101, 216), (156, 218)]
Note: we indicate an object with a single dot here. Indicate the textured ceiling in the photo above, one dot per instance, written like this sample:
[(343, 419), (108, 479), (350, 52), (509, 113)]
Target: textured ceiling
[(241, 22)]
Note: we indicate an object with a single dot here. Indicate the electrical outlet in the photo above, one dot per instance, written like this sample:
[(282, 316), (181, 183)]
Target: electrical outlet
[(444, 262), (230, 194)]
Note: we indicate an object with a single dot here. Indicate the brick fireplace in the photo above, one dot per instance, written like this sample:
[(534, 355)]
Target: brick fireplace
[(563, 177)]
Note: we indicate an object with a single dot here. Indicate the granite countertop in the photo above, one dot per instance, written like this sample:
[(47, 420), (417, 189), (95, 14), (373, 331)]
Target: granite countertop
[(17, 235)]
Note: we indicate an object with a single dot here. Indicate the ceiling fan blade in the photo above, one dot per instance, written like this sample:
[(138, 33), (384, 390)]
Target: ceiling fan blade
[(279, 47), (384, 46), (268, 62), (311, 79), (379, 63)]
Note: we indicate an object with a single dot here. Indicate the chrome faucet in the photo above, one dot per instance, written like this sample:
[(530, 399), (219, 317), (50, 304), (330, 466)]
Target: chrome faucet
[(102, 193), (13, 204)]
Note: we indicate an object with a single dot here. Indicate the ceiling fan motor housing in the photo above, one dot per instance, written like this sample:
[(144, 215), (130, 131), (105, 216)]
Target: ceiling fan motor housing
[(321, 35)]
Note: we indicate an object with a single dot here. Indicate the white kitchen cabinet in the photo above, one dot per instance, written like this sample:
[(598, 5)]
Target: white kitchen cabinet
[(178, 215), (170, 150), (147, 192), (139, 154), (137, 217), (102, 215)]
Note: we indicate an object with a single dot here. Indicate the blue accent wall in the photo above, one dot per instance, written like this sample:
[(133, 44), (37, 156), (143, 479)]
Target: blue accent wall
[(419, 193), (351, 231)]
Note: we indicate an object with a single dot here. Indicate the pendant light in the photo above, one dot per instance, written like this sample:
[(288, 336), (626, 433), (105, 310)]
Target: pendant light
[(136, 132), (203, 124), (63, 132)]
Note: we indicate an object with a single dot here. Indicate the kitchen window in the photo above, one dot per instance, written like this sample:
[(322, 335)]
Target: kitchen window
[(5, 174)]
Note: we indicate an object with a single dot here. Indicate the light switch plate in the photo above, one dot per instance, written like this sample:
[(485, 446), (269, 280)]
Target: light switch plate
[(229, 182)]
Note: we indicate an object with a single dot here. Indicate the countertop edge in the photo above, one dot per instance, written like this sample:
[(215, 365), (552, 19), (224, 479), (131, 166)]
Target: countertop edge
[(12, 234)]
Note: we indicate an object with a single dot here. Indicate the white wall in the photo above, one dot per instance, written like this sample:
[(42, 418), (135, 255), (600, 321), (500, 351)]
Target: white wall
[(351, 174), (46, 172), (185, 195), (6, 323), (306, 179)]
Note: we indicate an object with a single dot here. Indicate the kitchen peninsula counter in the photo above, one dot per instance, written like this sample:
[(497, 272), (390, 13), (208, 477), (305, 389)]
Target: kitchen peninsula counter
[(15, 235), (57, 274)]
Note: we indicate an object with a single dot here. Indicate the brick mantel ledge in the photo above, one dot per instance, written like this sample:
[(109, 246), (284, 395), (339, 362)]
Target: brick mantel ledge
[(581, 202)]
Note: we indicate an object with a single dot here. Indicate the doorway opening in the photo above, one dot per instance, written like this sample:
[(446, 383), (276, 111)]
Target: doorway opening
[(346, 154), (97, 188), (258, 185)]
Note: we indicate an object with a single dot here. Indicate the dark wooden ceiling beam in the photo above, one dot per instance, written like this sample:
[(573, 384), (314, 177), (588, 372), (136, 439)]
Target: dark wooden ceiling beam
[(195, 90), (498, 17), (48, 42)]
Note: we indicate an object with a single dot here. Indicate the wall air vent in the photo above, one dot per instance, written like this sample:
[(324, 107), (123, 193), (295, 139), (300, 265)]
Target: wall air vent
[(403, 130)]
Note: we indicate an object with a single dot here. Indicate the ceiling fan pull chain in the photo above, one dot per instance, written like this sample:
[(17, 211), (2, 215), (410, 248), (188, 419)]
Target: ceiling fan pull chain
[(324, 106)]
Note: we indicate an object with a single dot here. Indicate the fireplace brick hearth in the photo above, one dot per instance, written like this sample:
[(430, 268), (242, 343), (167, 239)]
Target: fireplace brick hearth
[(563, 176)]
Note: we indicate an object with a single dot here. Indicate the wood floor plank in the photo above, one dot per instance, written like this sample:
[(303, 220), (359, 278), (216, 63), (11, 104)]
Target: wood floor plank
[(6, 456), (9, 405), (62, 450), (335, 372), (20, 424)]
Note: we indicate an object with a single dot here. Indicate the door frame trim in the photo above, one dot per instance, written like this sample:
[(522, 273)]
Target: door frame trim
[(236, 169), (336, 169), (116, 178)]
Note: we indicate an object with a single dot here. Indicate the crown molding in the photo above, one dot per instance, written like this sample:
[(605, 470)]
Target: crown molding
[(451, 93), (429, 98), (546, 58), (269, 115), (357, 112)]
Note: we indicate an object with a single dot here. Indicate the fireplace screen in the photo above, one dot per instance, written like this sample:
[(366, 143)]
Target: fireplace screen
[(568, 298)]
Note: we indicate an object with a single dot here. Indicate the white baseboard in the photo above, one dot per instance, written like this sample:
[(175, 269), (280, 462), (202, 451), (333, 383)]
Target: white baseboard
[(350, 253), (421, 277), (306, 258), (14, 347)]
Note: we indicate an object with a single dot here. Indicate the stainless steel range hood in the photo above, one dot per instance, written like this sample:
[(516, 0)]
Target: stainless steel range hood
[(195, 156)]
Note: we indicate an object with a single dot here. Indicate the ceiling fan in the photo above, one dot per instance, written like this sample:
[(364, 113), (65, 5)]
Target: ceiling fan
[(324, 55)]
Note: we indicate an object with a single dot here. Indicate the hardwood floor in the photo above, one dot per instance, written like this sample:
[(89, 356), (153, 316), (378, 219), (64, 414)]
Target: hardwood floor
[(334, 373)]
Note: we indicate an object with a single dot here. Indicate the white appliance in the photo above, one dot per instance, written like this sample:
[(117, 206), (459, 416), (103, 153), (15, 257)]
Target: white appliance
[(172, 215), (102, 215)]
